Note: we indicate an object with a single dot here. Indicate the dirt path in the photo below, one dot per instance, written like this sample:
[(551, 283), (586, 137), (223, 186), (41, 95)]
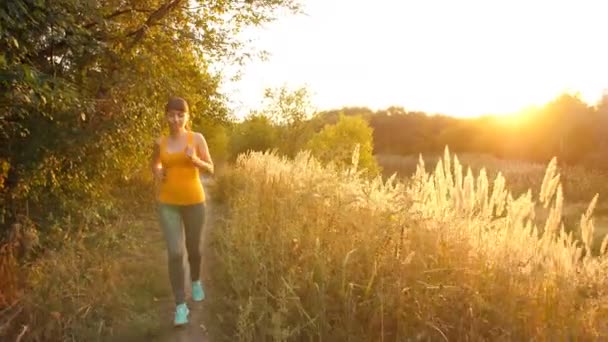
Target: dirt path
[(195, 330)]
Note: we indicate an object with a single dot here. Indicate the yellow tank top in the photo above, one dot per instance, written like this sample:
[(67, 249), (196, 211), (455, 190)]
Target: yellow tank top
[(182, 185)]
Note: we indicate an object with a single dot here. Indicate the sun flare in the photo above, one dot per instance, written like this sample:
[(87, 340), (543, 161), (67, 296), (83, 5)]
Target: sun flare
[(464, 59)]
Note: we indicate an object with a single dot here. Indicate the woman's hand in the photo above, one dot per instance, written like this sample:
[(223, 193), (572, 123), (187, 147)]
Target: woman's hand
[(155, 165), (159, 174), (198, 162), (190, 153)]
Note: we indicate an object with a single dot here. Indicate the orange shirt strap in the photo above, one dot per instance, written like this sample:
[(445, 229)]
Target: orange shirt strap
[(190, 137)]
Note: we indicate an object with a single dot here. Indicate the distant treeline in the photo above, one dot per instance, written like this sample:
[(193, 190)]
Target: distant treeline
[(566, 127)]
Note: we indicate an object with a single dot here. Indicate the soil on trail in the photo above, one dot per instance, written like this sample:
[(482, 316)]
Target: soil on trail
[(195, 330)]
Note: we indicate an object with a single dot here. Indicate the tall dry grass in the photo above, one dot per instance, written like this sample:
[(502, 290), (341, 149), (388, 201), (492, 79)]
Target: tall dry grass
[(312, 253), (88, 281), (96, 287), (579, 183)]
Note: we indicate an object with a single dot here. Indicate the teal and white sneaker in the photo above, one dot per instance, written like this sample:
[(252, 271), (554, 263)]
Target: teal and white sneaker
[(181, 315), (197, 291)]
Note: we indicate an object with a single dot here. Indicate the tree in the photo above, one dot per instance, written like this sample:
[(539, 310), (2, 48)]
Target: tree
[(83, 84), (216, 134), (599, 157), (336, 143), (256, 133), (565, 129), (290, 109), (601, 132)]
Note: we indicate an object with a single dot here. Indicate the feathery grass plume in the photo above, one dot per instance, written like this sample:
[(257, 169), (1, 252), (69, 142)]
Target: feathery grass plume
[(552, 224), (457, 193), (521, 209), (426, 252), (549, 184), (469, 191), (441, 185), (587, 226), (499, 195), (604, 245), (448, 168), (482, 200), (418, 177), (420, 168)]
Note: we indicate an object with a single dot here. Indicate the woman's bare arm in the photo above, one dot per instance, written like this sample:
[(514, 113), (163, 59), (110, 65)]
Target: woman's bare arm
[(202, 152), (155, 165)]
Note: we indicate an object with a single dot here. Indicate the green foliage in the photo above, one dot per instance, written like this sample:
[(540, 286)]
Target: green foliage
[(83, 85), (256, 133), (287, 106), (216, 134), (336, 143), (397, 131), (320, 119), (565, 127), (290, 109), (218, 144)]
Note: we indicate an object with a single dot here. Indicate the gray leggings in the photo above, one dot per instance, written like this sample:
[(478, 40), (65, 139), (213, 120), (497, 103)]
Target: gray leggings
[(193, 219)]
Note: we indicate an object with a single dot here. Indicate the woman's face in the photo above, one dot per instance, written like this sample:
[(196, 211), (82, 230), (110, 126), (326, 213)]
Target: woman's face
[(177, 119)]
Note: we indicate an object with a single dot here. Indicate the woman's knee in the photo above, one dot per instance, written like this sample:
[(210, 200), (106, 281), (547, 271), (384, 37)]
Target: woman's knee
[(194, 253), (176, 256)]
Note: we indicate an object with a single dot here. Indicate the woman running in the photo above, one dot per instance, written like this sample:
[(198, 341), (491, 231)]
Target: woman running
[(176, 162)]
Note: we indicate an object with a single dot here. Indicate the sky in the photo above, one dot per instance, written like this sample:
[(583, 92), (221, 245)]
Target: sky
[(462, 58)]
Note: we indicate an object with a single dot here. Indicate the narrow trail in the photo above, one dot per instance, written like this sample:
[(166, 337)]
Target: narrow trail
[(195, 330)]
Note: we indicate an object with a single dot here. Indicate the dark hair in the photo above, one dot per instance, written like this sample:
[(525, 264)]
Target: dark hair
[(176, 103)]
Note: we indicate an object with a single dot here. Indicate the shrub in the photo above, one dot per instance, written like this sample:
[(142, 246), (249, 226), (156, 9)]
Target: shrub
[(335, 143)]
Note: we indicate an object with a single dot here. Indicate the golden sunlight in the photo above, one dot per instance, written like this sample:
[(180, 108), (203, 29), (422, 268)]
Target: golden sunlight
[(395, 169), (465, 58)]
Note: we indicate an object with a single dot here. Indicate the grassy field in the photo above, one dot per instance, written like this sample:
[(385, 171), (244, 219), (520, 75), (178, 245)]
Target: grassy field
[(579, 184), (308, 253)]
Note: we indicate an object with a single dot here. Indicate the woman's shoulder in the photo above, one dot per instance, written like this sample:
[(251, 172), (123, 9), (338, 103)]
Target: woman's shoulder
[(199, 137)]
